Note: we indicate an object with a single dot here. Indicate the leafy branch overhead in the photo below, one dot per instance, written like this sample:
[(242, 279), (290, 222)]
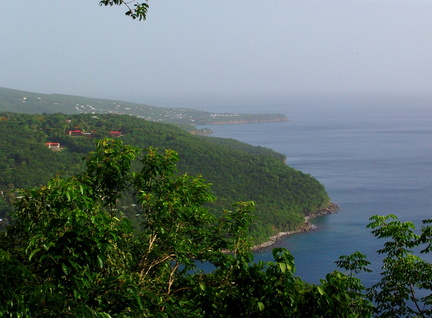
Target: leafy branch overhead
[(135, 9)]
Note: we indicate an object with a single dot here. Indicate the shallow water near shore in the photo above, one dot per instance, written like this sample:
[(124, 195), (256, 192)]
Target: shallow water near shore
[(372, 160)]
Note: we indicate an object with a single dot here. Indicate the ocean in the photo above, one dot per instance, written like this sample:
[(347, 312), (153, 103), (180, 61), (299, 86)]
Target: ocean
[(372, 160)]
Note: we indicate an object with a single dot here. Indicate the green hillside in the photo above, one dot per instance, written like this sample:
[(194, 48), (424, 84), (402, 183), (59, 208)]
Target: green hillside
[(36, 103), (238, 172)]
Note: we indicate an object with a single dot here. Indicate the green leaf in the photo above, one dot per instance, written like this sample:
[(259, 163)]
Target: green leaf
[(261, 306), (65, 269), (33, 253), (282, 267), (77, 295), (100, 262), (74, 265)]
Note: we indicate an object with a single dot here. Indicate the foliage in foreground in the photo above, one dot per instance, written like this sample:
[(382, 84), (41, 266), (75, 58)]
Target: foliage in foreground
[(69, 252)]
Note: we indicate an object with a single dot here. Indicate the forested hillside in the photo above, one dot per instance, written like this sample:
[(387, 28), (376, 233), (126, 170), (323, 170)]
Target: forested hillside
[(238, 172)]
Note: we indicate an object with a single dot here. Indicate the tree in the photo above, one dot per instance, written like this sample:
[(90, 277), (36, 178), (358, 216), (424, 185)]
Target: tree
[(136, 11), (405, 287), (405, 275), (69, 251)]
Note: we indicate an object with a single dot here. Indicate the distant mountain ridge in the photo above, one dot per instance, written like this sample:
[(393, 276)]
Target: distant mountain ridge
[(29, 102)]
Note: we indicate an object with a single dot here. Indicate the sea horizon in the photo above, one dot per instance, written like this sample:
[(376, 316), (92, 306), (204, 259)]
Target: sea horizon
[(372, 161)]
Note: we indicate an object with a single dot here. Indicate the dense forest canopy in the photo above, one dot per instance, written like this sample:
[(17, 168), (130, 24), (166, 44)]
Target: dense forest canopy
[(237, 171)]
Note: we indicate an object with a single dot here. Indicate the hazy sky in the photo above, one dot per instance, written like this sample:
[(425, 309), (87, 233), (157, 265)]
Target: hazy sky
[(201, 54)]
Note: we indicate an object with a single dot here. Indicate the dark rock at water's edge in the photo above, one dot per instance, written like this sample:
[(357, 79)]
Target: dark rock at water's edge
[(330, 209), (306, 227)]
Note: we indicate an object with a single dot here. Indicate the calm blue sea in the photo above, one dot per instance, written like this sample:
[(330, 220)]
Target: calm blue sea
[(372, 160)]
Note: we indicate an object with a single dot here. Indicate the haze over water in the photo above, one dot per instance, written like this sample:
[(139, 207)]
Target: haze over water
[(372, 160)]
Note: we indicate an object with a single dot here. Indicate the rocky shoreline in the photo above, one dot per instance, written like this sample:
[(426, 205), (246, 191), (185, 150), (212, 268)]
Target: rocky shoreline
[(306, 227)]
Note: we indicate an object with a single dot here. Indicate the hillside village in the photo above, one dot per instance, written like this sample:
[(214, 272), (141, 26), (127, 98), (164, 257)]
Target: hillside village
[(77, 132), (28, 102)]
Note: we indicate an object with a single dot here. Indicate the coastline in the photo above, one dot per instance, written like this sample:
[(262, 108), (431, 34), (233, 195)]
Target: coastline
[(306, 227), (247, 121)]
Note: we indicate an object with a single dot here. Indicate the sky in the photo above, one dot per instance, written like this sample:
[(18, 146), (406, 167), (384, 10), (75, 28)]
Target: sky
[(220, 55)]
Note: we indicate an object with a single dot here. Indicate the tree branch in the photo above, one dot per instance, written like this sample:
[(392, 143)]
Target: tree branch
[(138, 12)]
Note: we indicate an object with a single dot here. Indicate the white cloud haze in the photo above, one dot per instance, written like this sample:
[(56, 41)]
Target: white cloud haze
[(208, 53)]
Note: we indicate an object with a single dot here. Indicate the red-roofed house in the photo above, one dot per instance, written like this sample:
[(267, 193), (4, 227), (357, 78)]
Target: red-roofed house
[(115, 133), (53, 145), (75, 132)]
